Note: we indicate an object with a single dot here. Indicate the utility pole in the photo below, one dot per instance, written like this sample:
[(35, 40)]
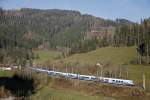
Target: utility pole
[(120, 72), (66, 69), (101, 67), (144, 87), (115, 74), (46, 67), (53, 67), (101, 71), (78, 69), (72, 69), (127, 72), (97, 73)]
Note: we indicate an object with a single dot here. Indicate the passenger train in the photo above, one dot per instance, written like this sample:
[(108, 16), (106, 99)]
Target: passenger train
[(86, 77)]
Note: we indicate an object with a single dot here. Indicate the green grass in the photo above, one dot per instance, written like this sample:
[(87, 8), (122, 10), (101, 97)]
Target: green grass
[(57, 94), (112, 55), (116, 57), (136, 73), (5, 73), (46, 55)]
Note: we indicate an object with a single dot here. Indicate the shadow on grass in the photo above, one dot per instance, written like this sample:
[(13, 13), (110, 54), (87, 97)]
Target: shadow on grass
[(18, 86)]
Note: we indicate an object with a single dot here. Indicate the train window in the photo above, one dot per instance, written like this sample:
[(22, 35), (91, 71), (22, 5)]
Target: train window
[(106, 80), (85, 77), (57, 73)]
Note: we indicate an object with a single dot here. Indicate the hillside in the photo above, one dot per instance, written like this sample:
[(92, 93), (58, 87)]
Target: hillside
[(54, 28), (46, 24), (66, 31), (107, 54), (113, 59)]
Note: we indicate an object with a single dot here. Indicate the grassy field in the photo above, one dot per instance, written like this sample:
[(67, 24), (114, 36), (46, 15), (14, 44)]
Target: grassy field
[(114, 56), (5, 73), (45, 55), (58, 94), (136, 73)]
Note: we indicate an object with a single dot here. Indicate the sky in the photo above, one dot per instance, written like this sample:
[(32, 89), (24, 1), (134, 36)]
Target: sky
[(132, 10)]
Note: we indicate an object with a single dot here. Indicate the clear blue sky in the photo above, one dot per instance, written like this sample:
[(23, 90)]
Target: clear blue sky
[(110, 9)]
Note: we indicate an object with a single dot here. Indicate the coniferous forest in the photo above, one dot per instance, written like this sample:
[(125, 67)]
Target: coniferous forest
[(23, 30)]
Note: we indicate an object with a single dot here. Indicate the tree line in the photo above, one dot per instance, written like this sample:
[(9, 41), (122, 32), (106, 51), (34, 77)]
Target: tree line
[(135, 35)]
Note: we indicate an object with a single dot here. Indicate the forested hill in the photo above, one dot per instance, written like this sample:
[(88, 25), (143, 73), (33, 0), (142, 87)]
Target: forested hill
[(65, 30), (51, 28)]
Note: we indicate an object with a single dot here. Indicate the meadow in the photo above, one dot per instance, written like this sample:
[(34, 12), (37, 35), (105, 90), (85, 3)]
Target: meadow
[(112, 57)]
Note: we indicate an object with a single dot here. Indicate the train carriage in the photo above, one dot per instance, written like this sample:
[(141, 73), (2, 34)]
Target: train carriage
[(86, 77), (71, 75)]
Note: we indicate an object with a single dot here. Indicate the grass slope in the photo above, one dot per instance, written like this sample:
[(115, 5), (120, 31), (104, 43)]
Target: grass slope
[(112, 55), (136, 72), (117, 57), (46, 55), (58, 94)]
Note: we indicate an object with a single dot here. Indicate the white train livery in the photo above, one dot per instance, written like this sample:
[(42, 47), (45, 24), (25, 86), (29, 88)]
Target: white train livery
[(86, 77)]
